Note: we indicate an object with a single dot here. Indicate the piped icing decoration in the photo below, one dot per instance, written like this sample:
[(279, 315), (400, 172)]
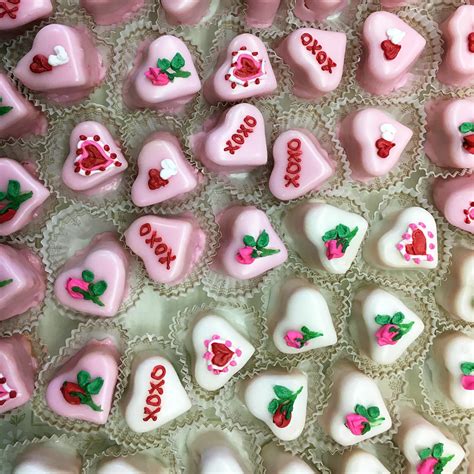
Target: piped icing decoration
[(5, 282), (6, 392), (244, 130), (155, 392), (4, 109), (316, 49), (160, 178), (11, 11), (41, 63), (467, 129), (470, 42), (469, 213), (363, 419), (80, 393), (393, 328), (86, 288), (293, 169), (432, 460), (414, 244), (167, 71), (299, 339), (467, 379), (245, 68), (156, 242), (11, 200), (282, 407), (59, 58), (220, 354), (93, 156), (391, 46), (337, 240), (254, 249), (385, 144)]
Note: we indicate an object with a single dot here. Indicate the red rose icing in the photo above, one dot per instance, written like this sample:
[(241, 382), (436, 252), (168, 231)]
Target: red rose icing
[(11, 11), (220, 354), (245, 68), (93, 156), (282, 407), (417, 243), (6, 392)]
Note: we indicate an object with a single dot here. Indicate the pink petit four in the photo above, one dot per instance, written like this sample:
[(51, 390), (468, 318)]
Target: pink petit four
[(260, 14), (185, 12), (450, 134), (170, 247), (457, 68), (22, 281), (317, 10), (21, 196), (316, 58), (243, 71), (233, 142), (374, 142), (95, 162), (108, 12), (94, 280), (63, 64), (301, 165), (391, 48), (163, 77), (17, 372), (15, 14), (83, 388), (18, 117), (164, 172), (454, 197), (249, 245)]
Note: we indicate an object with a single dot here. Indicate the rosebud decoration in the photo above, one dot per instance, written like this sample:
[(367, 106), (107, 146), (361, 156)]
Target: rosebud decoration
[(393, 328), (254, 249), (282, 407), (363, 420), (80, 393), (4, 109), (299, 339), (11, 200), (467, 380), (86, 288), (5, 282), (167, 71), (337, 240), (432, 460)]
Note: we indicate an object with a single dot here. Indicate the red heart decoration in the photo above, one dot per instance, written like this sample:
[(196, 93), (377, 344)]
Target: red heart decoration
[(222, 354), (390, 50), (247, 67), (93, 158), (418, 245), (468, 143), (383, 147), (156, 181), (40, 64), (470, 42)]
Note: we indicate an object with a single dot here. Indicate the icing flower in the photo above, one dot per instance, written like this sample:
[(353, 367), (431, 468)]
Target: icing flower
[(11, 200), (386, 334), (80, 393), (5, 282), (393, 329), (363, 420), (167, 70), (4, 109), (468, 140), (427, 466), (86, 288), (157, 77), (282, 407), (356, 423), (245, 255), (299, 339), (334, 249), (432, 460), (337, 240), (467, 380), (255, 248)]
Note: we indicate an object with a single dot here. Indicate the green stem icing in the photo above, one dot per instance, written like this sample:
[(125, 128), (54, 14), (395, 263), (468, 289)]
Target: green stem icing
[(308, 335), (260, 245), (401, 327), (342, 234), (13, 197), (174, 67), (285, 397), (4, 109), (5, 282)]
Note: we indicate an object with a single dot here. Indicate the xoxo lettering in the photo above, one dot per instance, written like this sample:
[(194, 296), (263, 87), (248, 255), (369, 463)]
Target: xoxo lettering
[(238, 138), (156, 242), (7, 10), (312, 44), (293, 167), (153, 399)]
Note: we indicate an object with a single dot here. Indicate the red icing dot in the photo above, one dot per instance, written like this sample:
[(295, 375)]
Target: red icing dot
[(96, 138), (13, 394)]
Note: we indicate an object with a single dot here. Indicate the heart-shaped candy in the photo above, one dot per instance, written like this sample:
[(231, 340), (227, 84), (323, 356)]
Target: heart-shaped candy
[(59, 58), (390, 49), (168, 169), (40, 64)]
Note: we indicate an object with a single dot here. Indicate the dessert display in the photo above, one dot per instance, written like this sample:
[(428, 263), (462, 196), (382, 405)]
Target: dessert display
[(95, 280), (134, 464), (185, 12), (163, 77), (383, 326), (21, 196), (249, 245), (218, 351), (390, 49), (278, 461), (404, 240), (373, 141), (457, 67), (326, 237), (454, 197), (83, 387), (22, 281), (154, 395), (358, 460), (63, 64), (450, 133), (170, 247), (243, 71), (316, 59), (15, 15), (301, 165), (456, 293), (108, 12), (279, 399), (318, 10), (163, 171), (302, 320), (261, 14), (18, 117), (18, 369), (356, 410)]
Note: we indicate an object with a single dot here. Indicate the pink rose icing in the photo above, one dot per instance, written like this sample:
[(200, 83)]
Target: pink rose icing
[(467, 381), (356, 423), (334, 249), (427, 466), (385, 336), (157, 77), (292, 339)]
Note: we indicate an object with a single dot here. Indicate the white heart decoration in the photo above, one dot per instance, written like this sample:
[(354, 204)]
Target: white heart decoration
[(388, 131), (168, 169), (59, 58), (395, 35)]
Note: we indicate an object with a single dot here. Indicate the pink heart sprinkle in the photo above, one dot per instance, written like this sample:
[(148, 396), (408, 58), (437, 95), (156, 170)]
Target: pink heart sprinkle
[(399, 246), (215, 336), (206, 342), (430, 234), (412, 226), (228, 343), (422, 224), (406, 236)]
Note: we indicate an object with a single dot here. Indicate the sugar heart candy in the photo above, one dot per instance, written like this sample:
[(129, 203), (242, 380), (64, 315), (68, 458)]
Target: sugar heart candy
[(318, 10), (15, 14), (134, 464), (358, 461), (185, 12), (278, 461), (109, 12), (260, 14)]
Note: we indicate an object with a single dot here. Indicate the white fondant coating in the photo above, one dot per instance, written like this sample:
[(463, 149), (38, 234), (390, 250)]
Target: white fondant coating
[(278, 461), (137, 464), (358, 461)]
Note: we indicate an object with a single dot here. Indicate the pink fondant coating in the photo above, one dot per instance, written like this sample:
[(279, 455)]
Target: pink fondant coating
[(28, 12), (317, 10), (108, 12), (398, 3), (185, 12), (261, 13)]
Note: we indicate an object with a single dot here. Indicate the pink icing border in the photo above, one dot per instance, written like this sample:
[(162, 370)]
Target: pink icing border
[(216, 370), (408, 239)]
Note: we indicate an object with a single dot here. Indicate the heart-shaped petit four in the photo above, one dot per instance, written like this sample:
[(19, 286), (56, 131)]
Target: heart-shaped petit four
[(109, 12), (318, 10), (303, 319), (383, 326), (219, 351), (407, 239), (163, 171), (164, 76), (453, 354), (155, 395), (301, 165), (261, 14), (83, 388), (63, 63), (170, 247), (17, 372), (15, 14), (357, 461), (95, 162), (249, 245), (243, 71), (374, 142), (185, 12), (277, 460), (390, 49), (95, 280), (21, 196), (279, 399), (133, 464), (316, 59), (356, 410), (450, 133), (456, 293), (457, 67), (325, 236)]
